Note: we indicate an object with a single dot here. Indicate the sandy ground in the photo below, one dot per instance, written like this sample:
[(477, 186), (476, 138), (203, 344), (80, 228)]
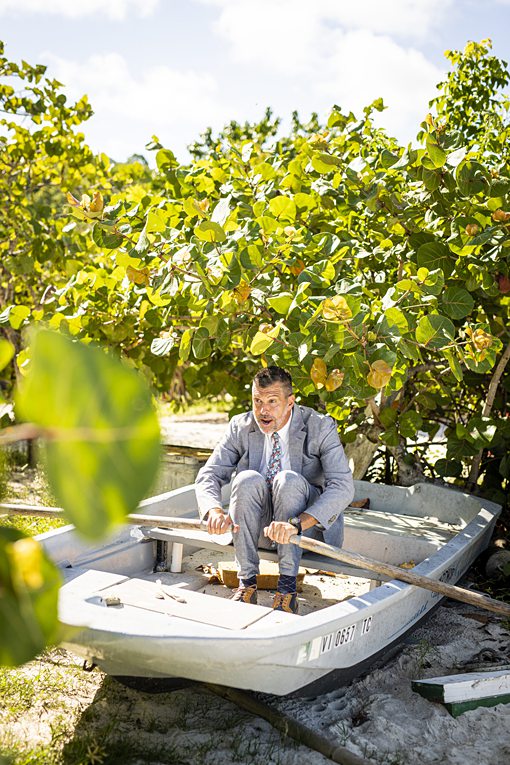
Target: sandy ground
[(97, 720)]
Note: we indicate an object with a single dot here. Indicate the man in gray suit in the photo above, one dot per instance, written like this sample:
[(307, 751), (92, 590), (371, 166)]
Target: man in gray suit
[(291, 477)]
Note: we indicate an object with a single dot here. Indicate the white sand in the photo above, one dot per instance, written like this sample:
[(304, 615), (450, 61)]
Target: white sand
[(381, 718)]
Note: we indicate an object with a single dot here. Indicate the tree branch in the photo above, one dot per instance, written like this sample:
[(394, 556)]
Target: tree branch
[(487, 409)]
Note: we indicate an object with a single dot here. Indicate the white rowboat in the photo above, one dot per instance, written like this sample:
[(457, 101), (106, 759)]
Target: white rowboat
[(136, 605)]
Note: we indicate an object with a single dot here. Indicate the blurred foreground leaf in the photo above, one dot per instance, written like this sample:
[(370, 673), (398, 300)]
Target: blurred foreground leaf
[(103, 445), (29, 585)]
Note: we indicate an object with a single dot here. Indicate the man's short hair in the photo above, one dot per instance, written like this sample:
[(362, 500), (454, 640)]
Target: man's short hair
[(270, 375)]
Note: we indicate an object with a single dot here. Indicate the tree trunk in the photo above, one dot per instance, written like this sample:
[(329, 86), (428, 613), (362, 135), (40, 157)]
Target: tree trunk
[(408, 472), (360, 452)]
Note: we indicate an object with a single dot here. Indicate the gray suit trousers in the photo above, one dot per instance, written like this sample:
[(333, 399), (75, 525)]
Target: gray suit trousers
[(253, 506)]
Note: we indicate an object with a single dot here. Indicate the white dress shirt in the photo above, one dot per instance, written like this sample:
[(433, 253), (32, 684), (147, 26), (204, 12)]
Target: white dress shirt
[(268, 448)]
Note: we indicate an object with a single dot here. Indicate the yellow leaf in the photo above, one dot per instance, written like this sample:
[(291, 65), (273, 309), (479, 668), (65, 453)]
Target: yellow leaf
[(242, 292), (97, 204), (334, 380), (26, 560), (87, 208), (137, 276), (319, 373), (72, 200), (480, 339), (500, 216), (336, 309), (379, 375)]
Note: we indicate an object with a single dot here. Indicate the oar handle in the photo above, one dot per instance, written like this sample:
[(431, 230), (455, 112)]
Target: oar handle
[(140, 519)]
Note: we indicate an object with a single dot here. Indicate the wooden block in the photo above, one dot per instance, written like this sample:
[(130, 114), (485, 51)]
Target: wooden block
[(267, 579)]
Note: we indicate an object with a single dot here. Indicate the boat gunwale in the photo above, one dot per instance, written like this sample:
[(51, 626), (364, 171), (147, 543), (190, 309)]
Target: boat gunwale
[(354, 607)]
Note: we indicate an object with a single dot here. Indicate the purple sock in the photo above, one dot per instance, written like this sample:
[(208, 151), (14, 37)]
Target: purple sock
[(250, 582), (287, 584)]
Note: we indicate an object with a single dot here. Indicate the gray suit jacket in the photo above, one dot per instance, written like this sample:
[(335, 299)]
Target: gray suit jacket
[(315, 452)]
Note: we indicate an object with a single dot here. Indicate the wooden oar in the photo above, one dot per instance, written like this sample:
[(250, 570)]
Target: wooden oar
[(403, 575), (306, 543), (161, 521)]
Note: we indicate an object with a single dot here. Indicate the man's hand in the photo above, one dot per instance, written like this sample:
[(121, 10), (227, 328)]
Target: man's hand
[(280, 532), (219, 522)]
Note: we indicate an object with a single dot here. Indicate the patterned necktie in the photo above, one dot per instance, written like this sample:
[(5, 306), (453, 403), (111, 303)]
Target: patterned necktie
[(275, 460)]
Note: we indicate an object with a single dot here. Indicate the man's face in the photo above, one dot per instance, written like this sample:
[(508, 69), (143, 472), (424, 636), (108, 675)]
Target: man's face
[(272, 406)]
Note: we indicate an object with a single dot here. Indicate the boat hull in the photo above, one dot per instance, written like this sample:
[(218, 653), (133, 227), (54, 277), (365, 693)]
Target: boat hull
[(296, 655)]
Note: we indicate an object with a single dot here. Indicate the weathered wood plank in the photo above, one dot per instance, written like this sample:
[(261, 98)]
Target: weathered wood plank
[(464, 687)]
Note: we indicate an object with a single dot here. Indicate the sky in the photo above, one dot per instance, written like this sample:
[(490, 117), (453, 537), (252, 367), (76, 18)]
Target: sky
[(172, 68)]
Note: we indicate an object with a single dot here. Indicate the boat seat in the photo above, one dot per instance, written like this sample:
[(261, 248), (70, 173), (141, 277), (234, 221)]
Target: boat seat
[(201, 539), (429, 530)]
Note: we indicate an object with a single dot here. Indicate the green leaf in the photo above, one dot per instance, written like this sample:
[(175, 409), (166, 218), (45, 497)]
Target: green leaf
[(210, 232), (454, 365), (481, 431), (157, 221), (17, 315), (431, 179), (201, 344), (448, 468), (434, 255), (165, 160), (472, 178), (283, 208), (28, 598), (410, 423), (432, 282), (435, 331), (324, 163), (211, 323), (435, 152), (395, 317), (281, 303), (305, 201), (457, 302), (185, 345), (388, 158), (260, 343), (409, 350), (390, 437), (105, 238), (194, 209), (6, 352), (102, 449), (388, 416), (265, 170), (504, 466)]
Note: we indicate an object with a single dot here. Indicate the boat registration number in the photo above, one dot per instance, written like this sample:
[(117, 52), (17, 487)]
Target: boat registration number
[(333, 640)]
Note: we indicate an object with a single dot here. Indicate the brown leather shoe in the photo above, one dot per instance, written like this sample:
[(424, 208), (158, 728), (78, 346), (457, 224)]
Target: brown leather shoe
[(285, 602), (245, 595)]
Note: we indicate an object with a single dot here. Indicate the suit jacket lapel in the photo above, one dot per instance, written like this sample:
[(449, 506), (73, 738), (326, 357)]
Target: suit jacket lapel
[(255, 448), (297, 435)]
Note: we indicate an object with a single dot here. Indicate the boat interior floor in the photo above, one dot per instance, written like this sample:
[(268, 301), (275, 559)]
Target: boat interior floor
[(197, 591)]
